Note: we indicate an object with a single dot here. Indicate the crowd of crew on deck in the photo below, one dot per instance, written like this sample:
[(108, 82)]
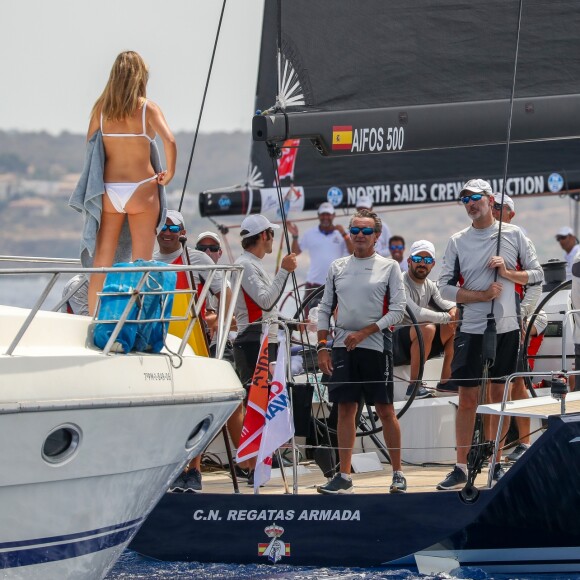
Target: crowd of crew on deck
[(381, 300)]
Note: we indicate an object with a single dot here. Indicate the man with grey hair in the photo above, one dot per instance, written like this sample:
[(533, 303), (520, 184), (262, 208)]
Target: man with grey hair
[(468, 278), (382, 245), (366, 294)]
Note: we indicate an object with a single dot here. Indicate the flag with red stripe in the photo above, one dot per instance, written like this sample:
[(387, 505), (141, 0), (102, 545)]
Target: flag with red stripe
[(256, 408)]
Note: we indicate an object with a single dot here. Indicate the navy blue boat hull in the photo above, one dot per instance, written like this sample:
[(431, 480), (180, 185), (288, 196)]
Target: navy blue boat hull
[(527, 523)]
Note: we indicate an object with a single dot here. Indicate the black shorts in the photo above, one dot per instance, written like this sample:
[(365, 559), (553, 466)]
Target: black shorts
[(360, 372), (467, 364), (402, 345), (228, 351), (246, 357)]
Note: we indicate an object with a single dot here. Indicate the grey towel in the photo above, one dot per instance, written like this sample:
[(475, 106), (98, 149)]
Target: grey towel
[(87, 199)]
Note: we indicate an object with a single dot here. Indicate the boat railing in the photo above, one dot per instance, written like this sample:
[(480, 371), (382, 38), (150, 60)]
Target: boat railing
[(231, 279), (561, 397)]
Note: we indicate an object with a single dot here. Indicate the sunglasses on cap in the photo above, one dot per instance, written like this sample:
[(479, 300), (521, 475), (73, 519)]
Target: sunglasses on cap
[(213, 248), (419, 259), (396, 247), (173, 229), (473, 197), (365, 231)]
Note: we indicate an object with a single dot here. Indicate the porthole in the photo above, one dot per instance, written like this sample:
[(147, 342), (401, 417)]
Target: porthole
[(61, 443), (198, 433)]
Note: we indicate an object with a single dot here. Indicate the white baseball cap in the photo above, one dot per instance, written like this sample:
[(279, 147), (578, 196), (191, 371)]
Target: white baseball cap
[(211, 235), (565, 231), (364, 202), (256, 224), (422, 246), (175, 217), (506, 199), (326, 207), (477, 186)]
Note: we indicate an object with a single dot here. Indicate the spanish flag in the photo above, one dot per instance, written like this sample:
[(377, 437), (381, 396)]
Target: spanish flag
[(341, 137)]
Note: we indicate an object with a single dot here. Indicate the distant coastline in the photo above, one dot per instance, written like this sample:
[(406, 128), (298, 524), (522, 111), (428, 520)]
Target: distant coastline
[(38, 172)]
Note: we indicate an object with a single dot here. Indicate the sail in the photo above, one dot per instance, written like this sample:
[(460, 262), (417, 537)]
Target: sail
[(382, 76), (419, 55)]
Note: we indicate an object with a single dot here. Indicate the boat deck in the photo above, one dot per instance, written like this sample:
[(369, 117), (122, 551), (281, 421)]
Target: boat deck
[(418, 479), (540, 407)]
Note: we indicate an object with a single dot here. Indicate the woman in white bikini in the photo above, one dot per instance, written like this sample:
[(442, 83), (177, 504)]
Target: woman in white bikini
[(129, 123)]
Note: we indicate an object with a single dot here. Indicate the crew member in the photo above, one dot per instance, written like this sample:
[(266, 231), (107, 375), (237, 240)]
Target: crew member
[(397, 249), (569, 243), (325, 243), (504, 208), (170, 251), (369, 292), (432, 313), (470, 260)]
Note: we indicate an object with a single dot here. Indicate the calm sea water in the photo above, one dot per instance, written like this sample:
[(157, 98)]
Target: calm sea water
[(131, 566)]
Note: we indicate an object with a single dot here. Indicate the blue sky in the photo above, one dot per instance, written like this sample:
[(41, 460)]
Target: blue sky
[(56, 58)]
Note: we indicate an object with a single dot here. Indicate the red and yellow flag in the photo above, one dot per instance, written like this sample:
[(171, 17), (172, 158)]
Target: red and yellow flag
[(341, 136)]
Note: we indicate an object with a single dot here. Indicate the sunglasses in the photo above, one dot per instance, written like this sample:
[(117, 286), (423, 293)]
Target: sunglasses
[(172, 229), (397, 247), (560, 238), (206, 248), (365, 231), (473, 197), (419, 259)]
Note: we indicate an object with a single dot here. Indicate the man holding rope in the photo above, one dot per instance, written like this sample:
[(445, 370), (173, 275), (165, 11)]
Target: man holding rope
[(469, 279)]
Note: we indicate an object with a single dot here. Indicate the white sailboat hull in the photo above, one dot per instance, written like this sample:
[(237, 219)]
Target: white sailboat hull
[(133, 422)]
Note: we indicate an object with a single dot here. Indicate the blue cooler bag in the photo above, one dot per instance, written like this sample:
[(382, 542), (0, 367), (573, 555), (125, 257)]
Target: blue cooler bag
[(146, 336)]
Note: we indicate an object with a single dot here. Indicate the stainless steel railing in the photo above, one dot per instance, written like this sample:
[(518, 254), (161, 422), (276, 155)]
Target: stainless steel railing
[(231, 279)]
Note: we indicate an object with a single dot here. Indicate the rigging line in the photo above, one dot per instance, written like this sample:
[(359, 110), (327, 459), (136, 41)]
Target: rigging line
[(508, 137), (202, 103), (288, 247), (279, 47)]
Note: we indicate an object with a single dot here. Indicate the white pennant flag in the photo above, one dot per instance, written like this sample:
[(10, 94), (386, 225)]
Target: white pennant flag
[(279, 427)]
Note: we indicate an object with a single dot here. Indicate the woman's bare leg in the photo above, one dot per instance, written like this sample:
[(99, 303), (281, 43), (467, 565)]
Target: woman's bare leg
[(106, 246)]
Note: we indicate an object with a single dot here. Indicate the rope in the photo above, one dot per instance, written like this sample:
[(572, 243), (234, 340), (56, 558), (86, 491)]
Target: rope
[(202, 104), (508, 137)]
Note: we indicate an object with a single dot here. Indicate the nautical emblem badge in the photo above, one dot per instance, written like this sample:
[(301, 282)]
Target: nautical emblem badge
[(555, 182), (275, 548), (334, 196)]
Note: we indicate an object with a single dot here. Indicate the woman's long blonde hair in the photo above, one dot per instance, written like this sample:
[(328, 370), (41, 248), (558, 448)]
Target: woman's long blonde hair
[(125, 88)]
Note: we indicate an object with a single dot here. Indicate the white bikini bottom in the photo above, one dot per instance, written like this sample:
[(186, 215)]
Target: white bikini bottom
[(120, 193)]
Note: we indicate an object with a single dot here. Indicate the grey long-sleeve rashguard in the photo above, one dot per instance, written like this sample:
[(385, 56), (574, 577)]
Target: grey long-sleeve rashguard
[(259, 293), (419, 299), (466, 261), (367, 291)]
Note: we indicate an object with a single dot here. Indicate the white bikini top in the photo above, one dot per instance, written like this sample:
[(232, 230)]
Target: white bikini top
[(143, 134)]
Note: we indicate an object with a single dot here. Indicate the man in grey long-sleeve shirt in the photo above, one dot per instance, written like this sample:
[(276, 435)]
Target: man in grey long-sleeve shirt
[(433, 314), (471, 260), (365, 292), (259, 294)]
